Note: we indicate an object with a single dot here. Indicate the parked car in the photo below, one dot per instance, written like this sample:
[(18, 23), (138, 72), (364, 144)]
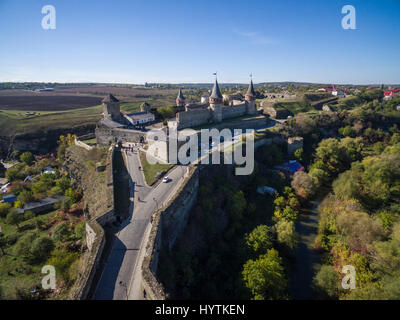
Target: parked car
[(166, 179)]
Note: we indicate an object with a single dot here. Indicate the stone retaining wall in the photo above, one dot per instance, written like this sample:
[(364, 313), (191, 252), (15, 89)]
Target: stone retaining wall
[(168, 223), (95, 241)]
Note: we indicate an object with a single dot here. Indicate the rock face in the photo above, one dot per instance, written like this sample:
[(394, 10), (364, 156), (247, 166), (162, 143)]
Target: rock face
[(39, 142)]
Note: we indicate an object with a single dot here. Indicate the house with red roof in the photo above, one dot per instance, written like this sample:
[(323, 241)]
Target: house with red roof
[(389, 94)]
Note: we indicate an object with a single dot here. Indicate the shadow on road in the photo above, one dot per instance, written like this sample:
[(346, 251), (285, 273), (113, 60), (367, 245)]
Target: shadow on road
[(104, 290)]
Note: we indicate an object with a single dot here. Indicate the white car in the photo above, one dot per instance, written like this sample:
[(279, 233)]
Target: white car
[(166, 179)]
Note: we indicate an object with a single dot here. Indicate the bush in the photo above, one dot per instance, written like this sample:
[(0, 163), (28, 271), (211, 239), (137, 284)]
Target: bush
[(62, 261), (66, 204), (29, 215), (80, 230), (40, 224), (27, 158)]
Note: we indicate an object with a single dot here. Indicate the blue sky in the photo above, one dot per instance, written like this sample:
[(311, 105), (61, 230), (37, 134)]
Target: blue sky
[(186, 41)]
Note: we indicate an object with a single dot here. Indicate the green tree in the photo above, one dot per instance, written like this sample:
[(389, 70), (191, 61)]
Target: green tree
[(286, 233), (27, 158), (333, 156), (287, 213), (41, 248), (265, 277), (23, 246), (319, 176), (237, 205), (347, 131), (14, 218), (63, 184), (4, 209), (16, 172), (326, 282), (25, 196), (260, 239), (61, 231), (166, 112), (39, 188)]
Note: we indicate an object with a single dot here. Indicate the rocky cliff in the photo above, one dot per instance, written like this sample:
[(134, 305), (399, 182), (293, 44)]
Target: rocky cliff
[(40, 142)]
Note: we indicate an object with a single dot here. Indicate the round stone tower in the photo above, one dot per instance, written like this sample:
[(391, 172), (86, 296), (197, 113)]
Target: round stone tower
[(216, 102), (250, 98)]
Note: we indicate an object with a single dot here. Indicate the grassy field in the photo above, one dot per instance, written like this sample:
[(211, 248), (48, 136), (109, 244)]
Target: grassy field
[(150, 170), (295, 106), (90, 142)]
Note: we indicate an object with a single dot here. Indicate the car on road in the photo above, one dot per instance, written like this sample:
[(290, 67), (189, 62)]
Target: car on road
[(166, 179)]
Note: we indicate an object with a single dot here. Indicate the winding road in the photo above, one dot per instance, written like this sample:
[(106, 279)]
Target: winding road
[(121, 276)]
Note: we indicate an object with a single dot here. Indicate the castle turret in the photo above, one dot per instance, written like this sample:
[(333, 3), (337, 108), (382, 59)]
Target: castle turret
[(111, 108), (250, 98), (180, 99), (216, 102)]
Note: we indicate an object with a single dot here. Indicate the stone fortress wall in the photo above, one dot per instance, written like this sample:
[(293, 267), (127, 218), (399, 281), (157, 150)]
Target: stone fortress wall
[(168, 224), (234, 111), (106, 136), (95, 239), (193, 118)]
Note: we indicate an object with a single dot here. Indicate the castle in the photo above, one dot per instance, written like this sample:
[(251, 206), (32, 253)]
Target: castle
[(217, 110), (214, 111)]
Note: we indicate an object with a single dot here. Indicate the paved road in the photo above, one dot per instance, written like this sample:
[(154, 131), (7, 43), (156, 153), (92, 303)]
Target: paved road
[(307, 259), (123, 259)]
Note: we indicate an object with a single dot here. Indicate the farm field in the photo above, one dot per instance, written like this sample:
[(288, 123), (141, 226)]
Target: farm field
[(47, 102), (24, 111)]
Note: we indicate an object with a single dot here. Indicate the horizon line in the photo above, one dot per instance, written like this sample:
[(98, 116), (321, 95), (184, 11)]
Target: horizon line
[(206, 83)]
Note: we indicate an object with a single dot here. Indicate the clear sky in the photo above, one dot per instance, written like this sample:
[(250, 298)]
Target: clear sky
[(132, 41)]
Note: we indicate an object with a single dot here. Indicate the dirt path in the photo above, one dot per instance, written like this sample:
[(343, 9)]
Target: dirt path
[(307, 259)]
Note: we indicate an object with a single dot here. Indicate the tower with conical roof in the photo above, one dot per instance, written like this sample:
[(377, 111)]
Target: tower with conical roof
[(180, 99), (216, 102), (111, 108), (250, 98)]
